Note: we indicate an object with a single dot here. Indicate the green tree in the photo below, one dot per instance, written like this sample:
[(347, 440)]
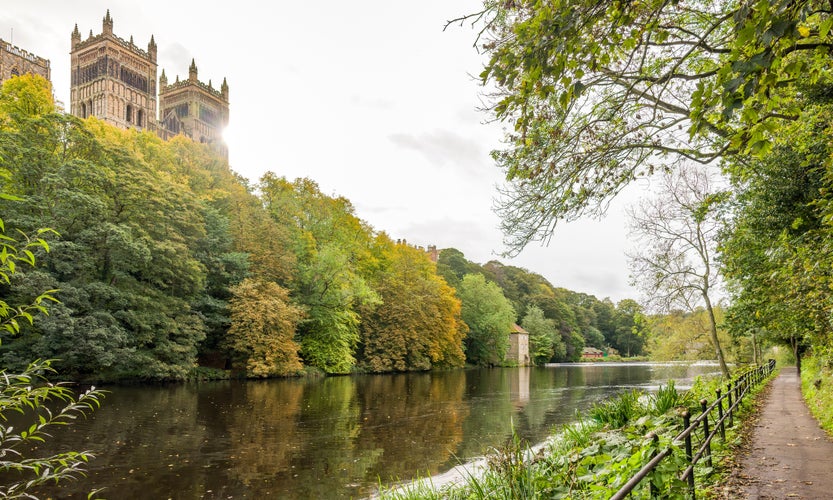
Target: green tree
[(44, 405), (452, 265), (133, 234), (777, 255), (544, 341), (263, 323), (630, 330), (331, 246), (681, 335), (26, 95), (489, 316), (598, 94)]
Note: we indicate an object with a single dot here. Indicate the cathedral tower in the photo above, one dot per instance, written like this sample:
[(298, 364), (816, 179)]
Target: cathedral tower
[(15, 61), (194, 109), (113, 79)]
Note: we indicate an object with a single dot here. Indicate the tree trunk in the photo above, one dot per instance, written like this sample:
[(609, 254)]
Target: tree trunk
[(715, 340)]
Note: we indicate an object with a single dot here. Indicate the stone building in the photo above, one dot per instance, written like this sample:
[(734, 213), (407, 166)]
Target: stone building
[(113, 79), (518, 346), (15, 61), (195, 109)]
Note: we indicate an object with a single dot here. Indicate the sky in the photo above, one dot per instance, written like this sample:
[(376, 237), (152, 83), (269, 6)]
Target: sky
[(371, 99)]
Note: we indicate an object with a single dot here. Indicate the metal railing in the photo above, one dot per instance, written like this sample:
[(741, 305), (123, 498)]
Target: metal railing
[(735, 393)]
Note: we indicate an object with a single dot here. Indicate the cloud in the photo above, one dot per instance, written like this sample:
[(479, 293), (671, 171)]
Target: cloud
[(443, 147), (364, 102), (178, 58)]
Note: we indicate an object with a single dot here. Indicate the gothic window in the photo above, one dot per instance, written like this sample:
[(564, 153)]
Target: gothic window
[(15, 72), (129, 114), (83, 110), (182, 110), (139, 117)]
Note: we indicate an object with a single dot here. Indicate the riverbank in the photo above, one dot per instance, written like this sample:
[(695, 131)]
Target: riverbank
[(596, 456)]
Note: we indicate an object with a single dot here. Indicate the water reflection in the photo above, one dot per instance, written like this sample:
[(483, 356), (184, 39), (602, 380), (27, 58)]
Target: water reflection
[(334, 437)]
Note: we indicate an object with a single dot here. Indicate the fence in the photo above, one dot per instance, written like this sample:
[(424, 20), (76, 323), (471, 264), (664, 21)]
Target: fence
[(738, 389)]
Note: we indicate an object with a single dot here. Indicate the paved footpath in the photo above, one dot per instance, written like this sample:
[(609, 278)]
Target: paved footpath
[(790, 455)]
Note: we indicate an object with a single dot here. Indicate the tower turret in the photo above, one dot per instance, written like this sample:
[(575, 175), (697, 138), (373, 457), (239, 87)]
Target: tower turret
[(224, 89), (107, 24), (163, 80), (192, 72), (152, 49), (76, 36), (113, 79)]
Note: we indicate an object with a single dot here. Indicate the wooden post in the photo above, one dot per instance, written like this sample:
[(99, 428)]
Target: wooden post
[(720, 416)]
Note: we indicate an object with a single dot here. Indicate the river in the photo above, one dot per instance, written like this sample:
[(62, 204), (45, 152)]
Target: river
[(334, 437)]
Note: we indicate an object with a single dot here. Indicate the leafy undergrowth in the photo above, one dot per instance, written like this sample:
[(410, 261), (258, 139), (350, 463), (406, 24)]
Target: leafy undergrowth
[(817, 387), (595, 456)]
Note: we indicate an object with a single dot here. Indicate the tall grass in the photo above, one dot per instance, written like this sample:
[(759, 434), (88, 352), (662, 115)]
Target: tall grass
[(668, 398), (617, 412)]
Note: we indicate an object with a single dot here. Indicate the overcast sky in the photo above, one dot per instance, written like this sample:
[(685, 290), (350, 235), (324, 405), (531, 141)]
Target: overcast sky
[(371, 99)]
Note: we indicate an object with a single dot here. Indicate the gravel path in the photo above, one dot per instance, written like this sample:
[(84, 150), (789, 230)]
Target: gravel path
[(790, 455)]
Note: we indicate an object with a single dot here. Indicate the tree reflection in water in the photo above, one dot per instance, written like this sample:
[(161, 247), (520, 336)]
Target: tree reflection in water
[(330, 437)]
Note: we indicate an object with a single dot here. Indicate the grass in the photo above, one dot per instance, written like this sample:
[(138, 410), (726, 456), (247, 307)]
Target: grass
[(817, 387), (596, 455)]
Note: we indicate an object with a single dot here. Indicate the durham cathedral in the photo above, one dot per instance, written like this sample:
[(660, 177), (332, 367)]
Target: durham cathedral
[(115, 80)]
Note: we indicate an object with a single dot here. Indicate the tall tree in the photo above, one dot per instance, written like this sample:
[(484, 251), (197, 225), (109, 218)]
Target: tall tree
[(601, 93), (35, 403), (545, 343), (677, 232), (777, 255), (489, 316), (331, 246)]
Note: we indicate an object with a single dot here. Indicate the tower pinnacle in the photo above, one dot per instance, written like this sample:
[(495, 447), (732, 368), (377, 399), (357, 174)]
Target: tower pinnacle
[(107, 24), (76, 36), (192, 71)]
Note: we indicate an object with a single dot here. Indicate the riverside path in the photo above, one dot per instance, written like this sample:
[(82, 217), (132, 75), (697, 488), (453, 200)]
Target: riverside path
[(789, 455)]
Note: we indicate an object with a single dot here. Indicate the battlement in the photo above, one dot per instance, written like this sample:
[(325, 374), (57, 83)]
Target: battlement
[(25, 54), (92, 40), (181, 84)]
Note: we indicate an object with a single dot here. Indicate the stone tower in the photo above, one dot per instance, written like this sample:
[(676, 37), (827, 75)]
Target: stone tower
[(15, 61), (113, 79), (194, 109)]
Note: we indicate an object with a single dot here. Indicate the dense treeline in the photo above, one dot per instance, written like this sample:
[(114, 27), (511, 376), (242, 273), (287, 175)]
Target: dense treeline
[(560, 322), (164, 260), (777, 253), (168, 265)]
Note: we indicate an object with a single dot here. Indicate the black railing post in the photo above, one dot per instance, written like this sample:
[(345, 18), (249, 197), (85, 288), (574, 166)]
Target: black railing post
[(688, 455), (703, 406), (731, 413), (720, 416)]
